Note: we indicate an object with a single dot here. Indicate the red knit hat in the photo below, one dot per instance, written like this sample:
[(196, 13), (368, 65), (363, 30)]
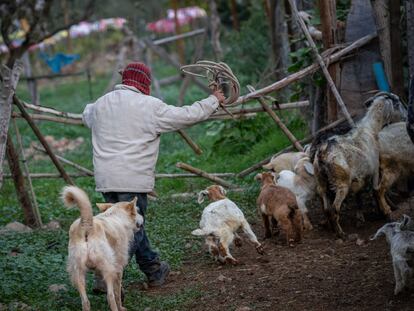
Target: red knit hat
[(137, 75)]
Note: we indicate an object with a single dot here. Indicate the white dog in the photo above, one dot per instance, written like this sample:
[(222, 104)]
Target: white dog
[(100, 243)]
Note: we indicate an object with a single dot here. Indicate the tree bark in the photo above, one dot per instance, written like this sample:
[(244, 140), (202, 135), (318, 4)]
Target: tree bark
[(279, 38), (327, 9), (409, 6), (215, 30)]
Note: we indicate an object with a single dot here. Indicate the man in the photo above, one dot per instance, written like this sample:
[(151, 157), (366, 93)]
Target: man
[(126, 126)]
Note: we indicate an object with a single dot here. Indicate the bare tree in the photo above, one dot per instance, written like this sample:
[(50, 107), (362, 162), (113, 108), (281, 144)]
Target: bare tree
[(43, 19)]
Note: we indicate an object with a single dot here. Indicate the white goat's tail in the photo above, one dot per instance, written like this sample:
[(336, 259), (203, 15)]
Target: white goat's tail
[(73, 196), (200, 232)]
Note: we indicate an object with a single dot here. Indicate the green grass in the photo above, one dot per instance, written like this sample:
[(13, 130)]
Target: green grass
[(41, 256)]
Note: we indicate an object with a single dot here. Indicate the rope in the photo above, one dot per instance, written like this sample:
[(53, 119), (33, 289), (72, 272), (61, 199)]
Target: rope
[(219, 76)]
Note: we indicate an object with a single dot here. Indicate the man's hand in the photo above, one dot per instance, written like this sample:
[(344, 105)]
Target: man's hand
[(220, 96)]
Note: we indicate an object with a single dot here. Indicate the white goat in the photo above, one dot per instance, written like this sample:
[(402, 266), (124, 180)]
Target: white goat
[(302, 183), (345, 162), (396, 159), (219, 224), (401, 243), (284, 161)]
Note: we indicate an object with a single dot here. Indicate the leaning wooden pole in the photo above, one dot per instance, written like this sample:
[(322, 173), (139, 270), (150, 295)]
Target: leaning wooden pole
[(278, 121), (335, 57), (42, 140), (204, 174), (321, 63), (27, 173)]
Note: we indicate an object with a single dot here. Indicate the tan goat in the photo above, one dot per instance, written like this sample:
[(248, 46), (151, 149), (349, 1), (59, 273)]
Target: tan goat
[(279, 203)]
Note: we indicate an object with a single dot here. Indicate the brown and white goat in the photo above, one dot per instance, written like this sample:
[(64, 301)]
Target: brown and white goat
[(220, 222), (345, 162), (279, 203)]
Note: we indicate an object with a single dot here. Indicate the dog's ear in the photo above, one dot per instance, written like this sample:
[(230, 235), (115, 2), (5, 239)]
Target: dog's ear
[(223, 191), (258, 177), (132, 206), (201, 196), (103, 206)]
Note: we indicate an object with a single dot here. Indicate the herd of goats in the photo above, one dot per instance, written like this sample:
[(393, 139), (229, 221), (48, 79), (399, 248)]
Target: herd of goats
[(374, 154), (378, 150)]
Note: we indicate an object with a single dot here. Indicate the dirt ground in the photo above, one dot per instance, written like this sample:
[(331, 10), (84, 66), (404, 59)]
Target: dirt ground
[(321, 273)]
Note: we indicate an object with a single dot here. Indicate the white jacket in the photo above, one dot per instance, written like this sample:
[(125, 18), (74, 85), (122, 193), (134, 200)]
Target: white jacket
[(126, 127)]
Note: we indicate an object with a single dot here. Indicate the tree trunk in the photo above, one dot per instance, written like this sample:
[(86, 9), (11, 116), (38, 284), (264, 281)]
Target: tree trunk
[(396, 49), (279, 38), (215, 30), (327, 9), (409, 7)]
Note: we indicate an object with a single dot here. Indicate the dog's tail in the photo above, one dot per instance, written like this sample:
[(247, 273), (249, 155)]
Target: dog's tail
[(73, 196)]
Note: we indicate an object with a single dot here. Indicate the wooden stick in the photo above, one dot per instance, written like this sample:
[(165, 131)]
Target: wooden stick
[(73, 164), (305, 71), (157, 176), (43, 117), (170, 80), (204, 174), (321, 63), (220, 115), (278, 121), (306, 140), (53, 76), (184, 35), (27, 173), (70, 115), (42, 140)]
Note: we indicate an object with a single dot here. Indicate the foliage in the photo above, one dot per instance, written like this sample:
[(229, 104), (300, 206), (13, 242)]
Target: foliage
[(247, 52)]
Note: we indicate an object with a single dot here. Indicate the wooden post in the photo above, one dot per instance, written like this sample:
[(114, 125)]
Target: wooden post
[(204, 174), (321, 63), (327, 9), (42, 140), (277, 120)]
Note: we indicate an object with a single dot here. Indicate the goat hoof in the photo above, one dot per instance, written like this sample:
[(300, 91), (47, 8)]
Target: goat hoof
[(260, 249), (232, 261)]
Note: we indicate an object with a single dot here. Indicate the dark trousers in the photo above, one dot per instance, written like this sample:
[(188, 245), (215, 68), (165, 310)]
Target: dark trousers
[(147, 260)]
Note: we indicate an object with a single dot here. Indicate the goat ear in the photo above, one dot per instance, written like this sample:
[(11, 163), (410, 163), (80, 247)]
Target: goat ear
[(309, 168), (222, 190), (103, 206), (201, 196), (368, 102), (258, 177), (406, 219)]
